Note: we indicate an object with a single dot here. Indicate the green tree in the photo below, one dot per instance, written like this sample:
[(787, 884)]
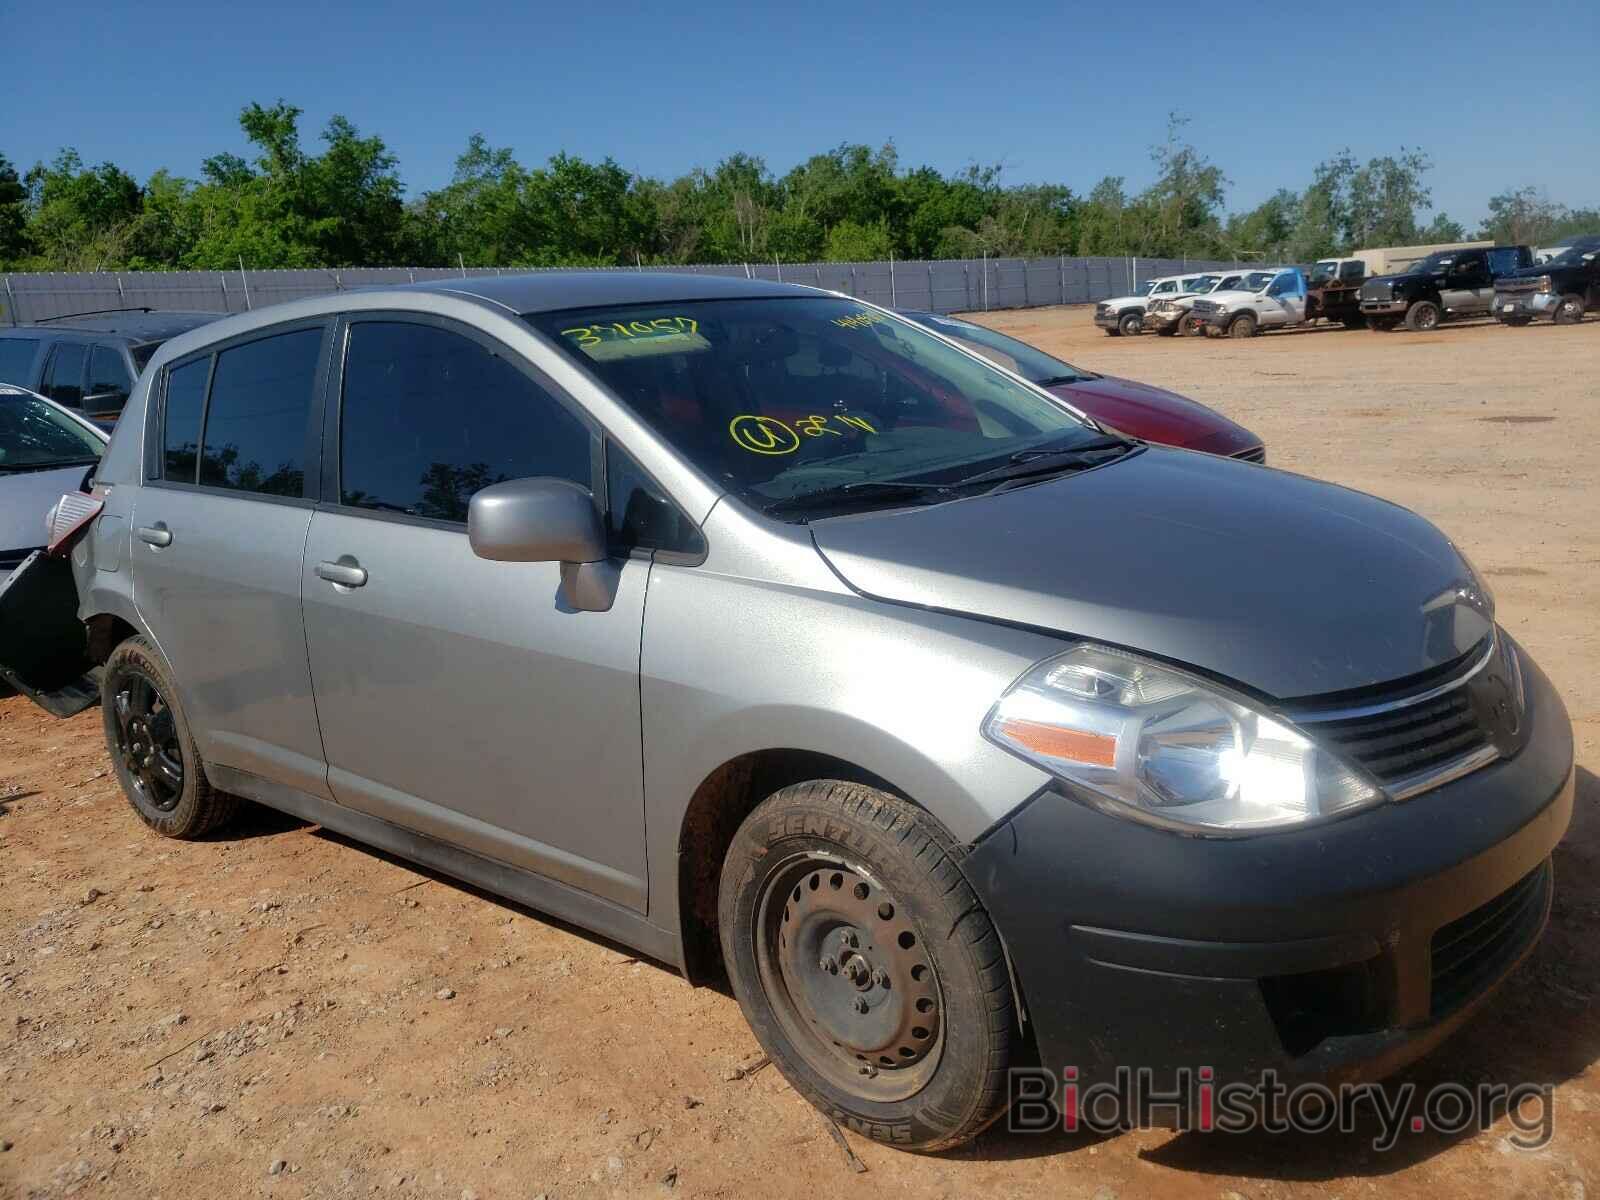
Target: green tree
[(80, 217), (13, 215)]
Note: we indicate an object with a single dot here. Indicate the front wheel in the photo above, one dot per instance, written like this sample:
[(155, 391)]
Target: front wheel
[(1131, 324), (1569, 311), (866, 964), (1242, 326), (1188, 326), (1422, 316)]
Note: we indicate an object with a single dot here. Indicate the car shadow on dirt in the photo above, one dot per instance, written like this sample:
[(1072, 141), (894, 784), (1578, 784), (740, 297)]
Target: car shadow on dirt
[(1538, 1029)]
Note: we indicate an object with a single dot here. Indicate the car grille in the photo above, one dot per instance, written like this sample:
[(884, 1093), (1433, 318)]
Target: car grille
[(1256, 454), (1376, 291), (1473, 951), (1516, 285), (1205, 306), (1410, 735), (1101, 309)]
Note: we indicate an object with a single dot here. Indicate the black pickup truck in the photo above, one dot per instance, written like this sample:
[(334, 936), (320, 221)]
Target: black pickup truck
[(1445, 285), (1561, 289)]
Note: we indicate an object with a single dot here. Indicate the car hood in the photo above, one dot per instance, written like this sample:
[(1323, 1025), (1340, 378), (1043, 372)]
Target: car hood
[(25, 497), (1156, 415), (1231, 296), (1286, 585), (1406, 277), (1126, 300)]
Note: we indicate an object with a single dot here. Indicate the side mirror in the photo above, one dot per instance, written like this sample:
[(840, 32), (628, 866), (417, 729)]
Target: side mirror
[(535, 520), (547, 520)]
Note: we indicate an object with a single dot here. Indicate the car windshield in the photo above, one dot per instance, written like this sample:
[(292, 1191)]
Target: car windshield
[(1575, 252), (782, 398), (35, 435), (1197, 283), (1255, 281), (1323, 271), (1032, 364), (1144, 288), (1433, 263)]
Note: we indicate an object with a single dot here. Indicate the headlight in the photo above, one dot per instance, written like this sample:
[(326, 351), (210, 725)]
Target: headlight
[(1542, 284), (1219, 306), (1162, 747)]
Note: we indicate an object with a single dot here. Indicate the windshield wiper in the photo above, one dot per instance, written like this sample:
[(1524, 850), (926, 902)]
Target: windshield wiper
[(1044, 460), (862, 489), (1058, 380), (57, 464)]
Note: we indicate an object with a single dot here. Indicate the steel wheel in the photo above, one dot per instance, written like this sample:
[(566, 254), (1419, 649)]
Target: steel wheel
[(1569, 311), (844, 968), (146, 739)]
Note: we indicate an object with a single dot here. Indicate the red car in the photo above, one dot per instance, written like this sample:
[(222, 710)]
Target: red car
[(1151, 414)]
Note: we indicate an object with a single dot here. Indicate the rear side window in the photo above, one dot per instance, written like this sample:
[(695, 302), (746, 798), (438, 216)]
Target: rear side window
[(186, 401), (63, 378), (1505, 260), (1352, 270), (430, 417), (256, 425), (16, 360), (109, 380)]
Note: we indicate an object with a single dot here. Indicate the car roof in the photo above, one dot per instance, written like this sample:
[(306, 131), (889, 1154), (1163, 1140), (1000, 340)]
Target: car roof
[(548, 291), (136, 325)]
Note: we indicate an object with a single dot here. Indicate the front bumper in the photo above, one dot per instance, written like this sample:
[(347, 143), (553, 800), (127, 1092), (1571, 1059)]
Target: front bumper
[(1156, 322), (1382, 307), (1525, 304), (1337, 953), (1106, 320)]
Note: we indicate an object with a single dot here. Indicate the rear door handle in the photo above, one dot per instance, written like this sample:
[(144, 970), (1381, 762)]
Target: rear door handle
[(345, 573), (156, 535)]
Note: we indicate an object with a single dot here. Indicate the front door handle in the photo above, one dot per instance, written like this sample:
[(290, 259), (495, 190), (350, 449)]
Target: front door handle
[(156, 535), (345, 572)]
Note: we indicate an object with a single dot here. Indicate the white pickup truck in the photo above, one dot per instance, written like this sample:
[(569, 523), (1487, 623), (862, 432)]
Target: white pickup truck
[(1273, 298), (1124, 315), (1169, 315)]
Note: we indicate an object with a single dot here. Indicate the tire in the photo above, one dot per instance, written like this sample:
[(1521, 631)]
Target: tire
[(1569, 310), (1516, 322), (1242, 326), (1113, 331), (1422, 316), (1167, 331), (152, 748), (1356, 322), (1130, 324), (1188, 326), (818, 880)]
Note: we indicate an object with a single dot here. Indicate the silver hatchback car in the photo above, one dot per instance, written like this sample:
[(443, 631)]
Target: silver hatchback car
[(769, 633)]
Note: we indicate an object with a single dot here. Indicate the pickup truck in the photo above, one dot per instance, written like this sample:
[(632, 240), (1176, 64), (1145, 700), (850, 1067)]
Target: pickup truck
[(1272, 298), (1123, 316), (1443, 286), (1562, 288), (1174, 315)]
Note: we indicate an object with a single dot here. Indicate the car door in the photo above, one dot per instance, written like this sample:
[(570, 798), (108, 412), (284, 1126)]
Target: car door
[(219, 535), (1467, 287), (1285, 302), (459, 697)]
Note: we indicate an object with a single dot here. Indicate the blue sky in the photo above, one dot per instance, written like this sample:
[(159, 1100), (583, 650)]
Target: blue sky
[(1071, 92)]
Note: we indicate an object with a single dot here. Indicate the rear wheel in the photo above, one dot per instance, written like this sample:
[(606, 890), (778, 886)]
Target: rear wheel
[(866, 964), (1422, 316), (1569, 310), (1130, 324), (1242, 326), (152, 749)]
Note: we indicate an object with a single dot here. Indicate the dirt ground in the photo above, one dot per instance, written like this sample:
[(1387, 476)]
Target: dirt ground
[(279, 1012)]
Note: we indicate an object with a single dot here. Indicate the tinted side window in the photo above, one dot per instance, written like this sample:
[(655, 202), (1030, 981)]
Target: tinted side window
[(431, 417), (63, 378), (186, 399), (639, 513), (16, 360), (256, 423), (1352, 270), (108, 377), (1504, 261)]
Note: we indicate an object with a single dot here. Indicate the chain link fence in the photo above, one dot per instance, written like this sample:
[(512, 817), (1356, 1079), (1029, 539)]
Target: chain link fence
[(947, 285)]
